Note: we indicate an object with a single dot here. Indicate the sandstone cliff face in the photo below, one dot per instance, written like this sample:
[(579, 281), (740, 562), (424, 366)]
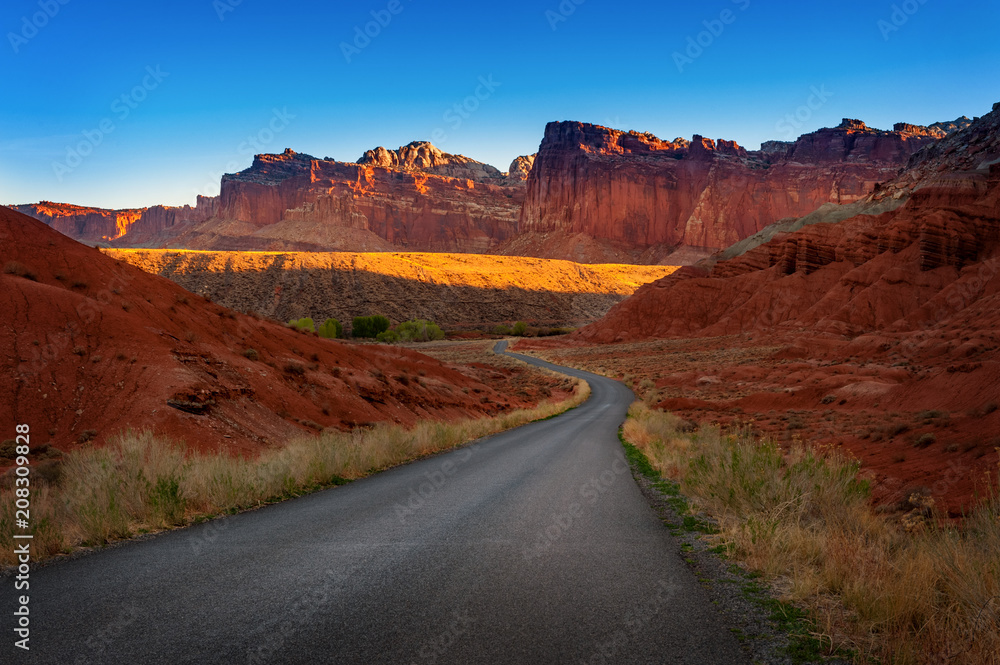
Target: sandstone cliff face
[(635, 190), (591, 195), (97, 225), (521, 167), (423, 156), (850, 329), (417, 198), (924, 267)]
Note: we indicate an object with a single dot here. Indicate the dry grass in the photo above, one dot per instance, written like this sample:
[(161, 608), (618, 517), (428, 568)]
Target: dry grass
[(140, 483), (892, 591)]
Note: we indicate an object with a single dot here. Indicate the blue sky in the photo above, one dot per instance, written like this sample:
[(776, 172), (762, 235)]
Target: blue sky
[(190, 89)]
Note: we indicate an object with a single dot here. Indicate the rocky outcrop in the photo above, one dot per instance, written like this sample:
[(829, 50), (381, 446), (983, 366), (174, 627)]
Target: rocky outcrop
[(926, 265), (417, 198), (96, 225), (591, 195), (520, 168), (423, 156), (634, 190)]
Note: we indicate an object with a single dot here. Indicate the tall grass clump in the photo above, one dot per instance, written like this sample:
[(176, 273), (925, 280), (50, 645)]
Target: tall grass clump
[(140, 482), (891, 591)]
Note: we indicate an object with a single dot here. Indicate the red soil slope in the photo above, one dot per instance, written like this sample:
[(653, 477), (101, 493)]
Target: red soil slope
[(90, 345), (880, 316)]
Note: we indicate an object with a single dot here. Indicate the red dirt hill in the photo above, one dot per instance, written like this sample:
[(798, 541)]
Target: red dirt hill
[(880, 332), (90, 346)]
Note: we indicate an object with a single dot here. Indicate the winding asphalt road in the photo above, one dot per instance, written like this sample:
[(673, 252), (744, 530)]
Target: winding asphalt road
[(532, 546)]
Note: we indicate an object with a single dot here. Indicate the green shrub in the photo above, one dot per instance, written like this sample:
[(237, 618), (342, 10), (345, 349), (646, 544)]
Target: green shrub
[(417, 330), (520, 328), (331, 329), (502, 330), (369, 327), (303, 325)]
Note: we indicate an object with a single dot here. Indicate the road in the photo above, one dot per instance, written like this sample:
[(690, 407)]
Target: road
[(532, 546)]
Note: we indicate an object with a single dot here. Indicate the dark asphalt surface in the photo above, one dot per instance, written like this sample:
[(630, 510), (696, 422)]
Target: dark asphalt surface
[(532, 546)]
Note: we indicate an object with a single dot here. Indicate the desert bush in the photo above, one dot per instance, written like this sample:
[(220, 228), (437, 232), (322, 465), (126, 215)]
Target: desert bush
[(331, 329), (19, 270), (303, 325), (891, 596), (369, 327), (295, 369), (251, 354), (520, 328), (503, 330)]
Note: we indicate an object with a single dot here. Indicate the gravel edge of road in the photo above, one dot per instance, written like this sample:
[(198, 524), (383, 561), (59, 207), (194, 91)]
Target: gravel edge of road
[(741, 597)]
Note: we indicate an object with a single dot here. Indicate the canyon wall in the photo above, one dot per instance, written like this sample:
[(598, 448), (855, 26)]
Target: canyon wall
[(914, 267), (99, 225), (636, 191), (591, 195)]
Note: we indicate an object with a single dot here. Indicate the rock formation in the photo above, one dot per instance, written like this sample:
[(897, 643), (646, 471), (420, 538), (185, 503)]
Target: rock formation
[(97, 225), (873, 325), (899, 261), (631, 190), (93, 346), (591, 195)]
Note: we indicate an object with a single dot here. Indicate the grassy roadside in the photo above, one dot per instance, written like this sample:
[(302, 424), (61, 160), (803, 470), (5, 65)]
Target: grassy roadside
[(886, 591), (141, 483)]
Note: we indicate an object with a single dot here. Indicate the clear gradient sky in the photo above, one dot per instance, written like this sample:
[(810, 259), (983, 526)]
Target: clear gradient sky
[(185, 85)]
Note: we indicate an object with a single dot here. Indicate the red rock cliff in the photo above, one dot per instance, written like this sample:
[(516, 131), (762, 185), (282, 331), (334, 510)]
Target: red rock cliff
[(417, 198), (97, 225), (929, 266), (635, 190)]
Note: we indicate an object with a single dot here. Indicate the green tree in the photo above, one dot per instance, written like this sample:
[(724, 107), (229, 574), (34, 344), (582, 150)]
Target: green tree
[(418, 330), (520, 328), (388, 337), (305, 325), (369, 327), (331, 329)]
